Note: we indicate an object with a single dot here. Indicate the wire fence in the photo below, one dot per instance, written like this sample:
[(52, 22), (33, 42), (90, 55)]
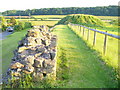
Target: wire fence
[(86, 30)]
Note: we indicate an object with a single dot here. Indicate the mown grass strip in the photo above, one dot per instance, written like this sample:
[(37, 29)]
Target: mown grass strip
[(8, 46), (111, 56), (86, 69)]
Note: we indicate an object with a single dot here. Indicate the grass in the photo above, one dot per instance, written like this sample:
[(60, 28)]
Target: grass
[(49, 16), (77, 65), (86, 69), (111, 57), (8, 46), (50, 23), (108, 17)]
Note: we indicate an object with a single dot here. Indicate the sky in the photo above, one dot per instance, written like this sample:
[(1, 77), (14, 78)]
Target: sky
[(37, 4)]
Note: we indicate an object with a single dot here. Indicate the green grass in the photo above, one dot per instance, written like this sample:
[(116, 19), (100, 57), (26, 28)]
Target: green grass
[(8, 46), (86, 69), (88, 20), (48, 16), (78, 66), (108, 17), (111, 57), (50, 23)]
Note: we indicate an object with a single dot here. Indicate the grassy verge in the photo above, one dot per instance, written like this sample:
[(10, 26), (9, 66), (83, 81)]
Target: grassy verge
[(111, 57), (86, 69), (8, 45)]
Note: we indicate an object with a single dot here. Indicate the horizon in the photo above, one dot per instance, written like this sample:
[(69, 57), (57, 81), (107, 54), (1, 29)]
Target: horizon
[(61, 7), (25, 4)]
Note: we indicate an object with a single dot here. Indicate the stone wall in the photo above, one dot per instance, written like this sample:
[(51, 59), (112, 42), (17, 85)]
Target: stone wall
[(35, 55)]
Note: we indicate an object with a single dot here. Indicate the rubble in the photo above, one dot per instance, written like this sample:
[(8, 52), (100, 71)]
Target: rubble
[(35, 54)]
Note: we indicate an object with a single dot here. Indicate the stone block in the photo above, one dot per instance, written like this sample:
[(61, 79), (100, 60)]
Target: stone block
[(16, 65)]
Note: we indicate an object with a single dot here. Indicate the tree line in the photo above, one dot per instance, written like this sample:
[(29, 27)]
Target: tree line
[(111, 10)]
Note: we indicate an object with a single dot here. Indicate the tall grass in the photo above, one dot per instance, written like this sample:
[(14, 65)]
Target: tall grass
[(111, 56)]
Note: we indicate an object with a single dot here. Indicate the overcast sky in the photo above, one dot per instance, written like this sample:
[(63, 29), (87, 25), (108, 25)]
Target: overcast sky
[(37, 4)]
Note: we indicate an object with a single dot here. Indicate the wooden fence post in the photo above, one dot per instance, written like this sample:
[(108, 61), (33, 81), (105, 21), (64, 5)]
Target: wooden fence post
[(83, 31), (94, 41), (105, 44), (88, 34), (80, 28)]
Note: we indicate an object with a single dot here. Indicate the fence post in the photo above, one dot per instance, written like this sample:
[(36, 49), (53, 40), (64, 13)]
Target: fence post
[(94, 41), (105, 44), (80, 28), (83, 31), (88, 34)]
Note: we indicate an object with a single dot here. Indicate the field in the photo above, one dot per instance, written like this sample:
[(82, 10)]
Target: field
[(107, 17), (49, 23), (49, 20), (49, 16)]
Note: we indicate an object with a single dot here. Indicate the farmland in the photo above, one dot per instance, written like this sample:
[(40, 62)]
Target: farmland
[(83, 60)]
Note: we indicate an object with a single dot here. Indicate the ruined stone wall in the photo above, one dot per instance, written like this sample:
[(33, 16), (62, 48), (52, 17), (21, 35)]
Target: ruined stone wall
[(35, 54)]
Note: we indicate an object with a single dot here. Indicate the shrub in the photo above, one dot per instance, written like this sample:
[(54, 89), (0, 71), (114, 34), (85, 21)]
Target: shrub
[(4, 23), (22, 25), (18, 27), (27, 25), (4, 27), (13, 21)]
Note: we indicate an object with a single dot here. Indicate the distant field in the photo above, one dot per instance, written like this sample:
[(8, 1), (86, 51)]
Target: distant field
[(108, 17), (48, 16), (16, 16), (50, 23)]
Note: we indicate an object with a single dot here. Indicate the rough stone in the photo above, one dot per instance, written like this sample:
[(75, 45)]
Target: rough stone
[(35, 54), (52, 55), (29, 60), (21, 49), (38, 62), (28, 69), (16, 65), (29, 41), (14, 73), (45, 55), (34, 33)]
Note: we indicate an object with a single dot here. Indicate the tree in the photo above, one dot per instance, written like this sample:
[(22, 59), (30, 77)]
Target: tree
[(3, 23), (99, 11), (13, 21)]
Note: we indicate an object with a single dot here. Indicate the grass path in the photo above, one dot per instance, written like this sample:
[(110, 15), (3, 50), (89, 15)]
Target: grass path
[(86, 70), (8, 46)]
